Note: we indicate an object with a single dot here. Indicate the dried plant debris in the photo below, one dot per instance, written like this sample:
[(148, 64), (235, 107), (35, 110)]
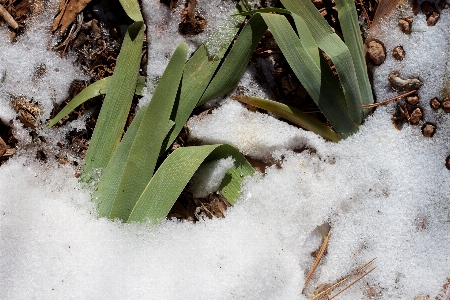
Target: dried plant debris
[(194, 209), (68, 11), (376, 52), (416, 116), (7, 142), (192, 19), (405, 24), (435, 103), (429, 10), (398, 53), (402, 84), (446, 104), (27, 112), (412, 99), (428, 129)]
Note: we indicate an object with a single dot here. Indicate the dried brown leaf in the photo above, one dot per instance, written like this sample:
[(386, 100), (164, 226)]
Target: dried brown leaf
[(69, 10)]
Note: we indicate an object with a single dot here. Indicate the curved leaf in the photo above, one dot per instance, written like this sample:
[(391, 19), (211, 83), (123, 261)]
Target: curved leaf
[(175, 172), (96, 89), (339, 53), (117, 103), (292, 114)]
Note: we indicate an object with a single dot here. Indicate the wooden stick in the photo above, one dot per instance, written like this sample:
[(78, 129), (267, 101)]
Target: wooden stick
[(8, 18)]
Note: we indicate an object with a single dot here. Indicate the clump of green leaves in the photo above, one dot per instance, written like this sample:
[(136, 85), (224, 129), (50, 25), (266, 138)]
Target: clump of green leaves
[(340, 101), (130, 189)]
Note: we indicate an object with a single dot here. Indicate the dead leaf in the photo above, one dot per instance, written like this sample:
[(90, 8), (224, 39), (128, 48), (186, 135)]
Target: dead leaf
[(68, 11), (384, 8), (3, 147)]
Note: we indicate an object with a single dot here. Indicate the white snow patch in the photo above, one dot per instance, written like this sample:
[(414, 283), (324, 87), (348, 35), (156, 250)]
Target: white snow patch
[(384, 192), (208, 177)]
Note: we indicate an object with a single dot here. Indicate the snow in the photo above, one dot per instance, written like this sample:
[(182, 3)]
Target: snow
[(384, 192)]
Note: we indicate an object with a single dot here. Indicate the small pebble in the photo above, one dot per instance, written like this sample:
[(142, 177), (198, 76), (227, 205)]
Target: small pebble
[(405, 25), (447, 162), (413, 99), (446, 104), (435, 103), (432, 19), (428, 129), (376, 52), (416, 116), (398, 53)]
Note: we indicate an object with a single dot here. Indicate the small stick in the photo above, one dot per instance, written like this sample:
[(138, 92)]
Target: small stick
[(318, 258), (389, 100), (8, 18), (365, 14)]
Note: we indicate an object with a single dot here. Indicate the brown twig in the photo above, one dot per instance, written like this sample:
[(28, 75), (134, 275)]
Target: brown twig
[(389, 100), (8, 18), (365, 13), (318, 258)]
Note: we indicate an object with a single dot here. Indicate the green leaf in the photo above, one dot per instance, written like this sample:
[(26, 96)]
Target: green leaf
[(334, 47), (132, 9), (117, 103), (350, 29), (108, 185), (176, 171), (313, 72), (96, 89), (199, 71), (237, 60), (265, 10), (141, 161), (292, 114)]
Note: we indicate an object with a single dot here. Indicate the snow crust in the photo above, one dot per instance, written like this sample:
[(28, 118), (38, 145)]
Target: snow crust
[(384, 192)]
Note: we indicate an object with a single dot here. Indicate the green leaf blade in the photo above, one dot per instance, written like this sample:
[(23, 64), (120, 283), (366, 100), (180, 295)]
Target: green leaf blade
[(236, 62), (199, 71), (96, 89), (334, 47), (117, 103), (141, 161), (313, 72), (350, 29)]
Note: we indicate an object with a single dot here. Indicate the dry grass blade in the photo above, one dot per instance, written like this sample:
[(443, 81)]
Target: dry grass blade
[(352, 283), (322, 250), (334, 286)]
